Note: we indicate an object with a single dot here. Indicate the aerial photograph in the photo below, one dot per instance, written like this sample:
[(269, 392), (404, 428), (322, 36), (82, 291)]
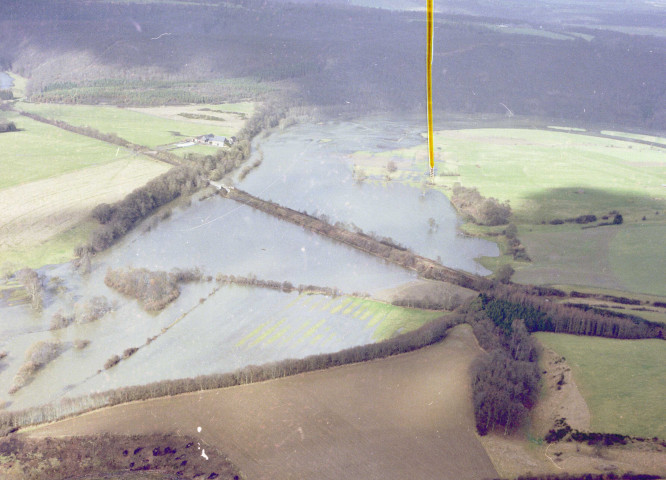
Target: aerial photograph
[(327, 239)]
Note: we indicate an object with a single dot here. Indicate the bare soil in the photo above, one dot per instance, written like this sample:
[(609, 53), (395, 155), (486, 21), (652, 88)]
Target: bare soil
[(517, 455), (407, 416), (560, 397)]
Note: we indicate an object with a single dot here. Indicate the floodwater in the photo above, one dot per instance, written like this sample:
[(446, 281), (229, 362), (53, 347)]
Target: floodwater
[(231, 328), (307, 168), (219, 329), (5, 81)]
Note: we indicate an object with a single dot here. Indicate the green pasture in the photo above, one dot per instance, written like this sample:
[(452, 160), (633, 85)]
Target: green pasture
[(637, 257), (623, 258), (543, 174), (139, 128), (555, 174), (622, 381), (41, 151)]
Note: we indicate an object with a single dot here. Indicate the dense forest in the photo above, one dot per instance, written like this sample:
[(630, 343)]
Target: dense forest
[(350, 57)]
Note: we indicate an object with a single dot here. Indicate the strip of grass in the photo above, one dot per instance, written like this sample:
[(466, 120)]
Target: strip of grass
[(393, 320), (40, 151), (622, 381)]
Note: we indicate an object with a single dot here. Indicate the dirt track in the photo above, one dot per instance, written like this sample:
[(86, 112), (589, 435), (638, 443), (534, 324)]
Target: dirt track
[(407, 416)]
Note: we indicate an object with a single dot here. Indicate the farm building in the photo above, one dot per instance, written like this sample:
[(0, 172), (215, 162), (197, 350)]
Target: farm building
[(213, 140)]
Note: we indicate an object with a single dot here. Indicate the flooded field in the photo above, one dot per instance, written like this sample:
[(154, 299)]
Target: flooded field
[(307, 168), (218, 328)]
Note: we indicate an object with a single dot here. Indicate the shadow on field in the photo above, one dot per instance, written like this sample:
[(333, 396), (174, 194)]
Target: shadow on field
[(562, 203)]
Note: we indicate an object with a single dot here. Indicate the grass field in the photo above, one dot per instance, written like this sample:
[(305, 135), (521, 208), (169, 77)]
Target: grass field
[(407, 416), (576, 174), (42, 151), (42, 221), (624, 258), (622, 381), (555, 174), (149, 127)]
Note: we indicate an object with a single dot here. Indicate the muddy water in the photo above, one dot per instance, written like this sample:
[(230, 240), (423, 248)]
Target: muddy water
[(307, 167)]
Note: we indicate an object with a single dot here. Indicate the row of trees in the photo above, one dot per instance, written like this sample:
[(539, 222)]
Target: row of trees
[(286, 286), (505, 381), (383, 248), (428, 334), (504, 304), (481, 210), (119, 218)]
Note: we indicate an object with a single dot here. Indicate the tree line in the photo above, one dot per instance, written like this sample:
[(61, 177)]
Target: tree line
[(430, 333), (119, 218), (505, 380), (481, 210), (383, 248), (503, 304)]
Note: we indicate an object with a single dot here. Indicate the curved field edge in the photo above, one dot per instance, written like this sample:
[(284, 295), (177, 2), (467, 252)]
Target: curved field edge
[(404, 416), (623, 381)]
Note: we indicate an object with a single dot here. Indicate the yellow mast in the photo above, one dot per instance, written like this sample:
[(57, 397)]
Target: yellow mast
[(430, 34)]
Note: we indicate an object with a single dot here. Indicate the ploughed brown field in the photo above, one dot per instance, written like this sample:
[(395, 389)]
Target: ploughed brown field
[(407, 416)]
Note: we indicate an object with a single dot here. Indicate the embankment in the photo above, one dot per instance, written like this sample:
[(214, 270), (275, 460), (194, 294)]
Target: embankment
[(425, 267)]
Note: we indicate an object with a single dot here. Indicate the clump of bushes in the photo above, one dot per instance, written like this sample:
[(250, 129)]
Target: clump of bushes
[(36, 357), (60, 320), (6, 126), (84, 312), (111, 362), (93, 309), (154, 289), (80, 344), (32, 282), (481, 210)]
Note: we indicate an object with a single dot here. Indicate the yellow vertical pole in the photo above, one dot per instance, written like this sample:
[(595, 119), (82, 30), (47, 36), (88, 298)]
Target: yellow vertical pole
[(430, 33)]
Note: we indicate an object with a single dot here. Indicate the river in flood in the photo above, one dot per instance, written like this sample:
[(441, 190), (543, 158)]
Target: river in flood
[(307, 167), (218, 329)]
